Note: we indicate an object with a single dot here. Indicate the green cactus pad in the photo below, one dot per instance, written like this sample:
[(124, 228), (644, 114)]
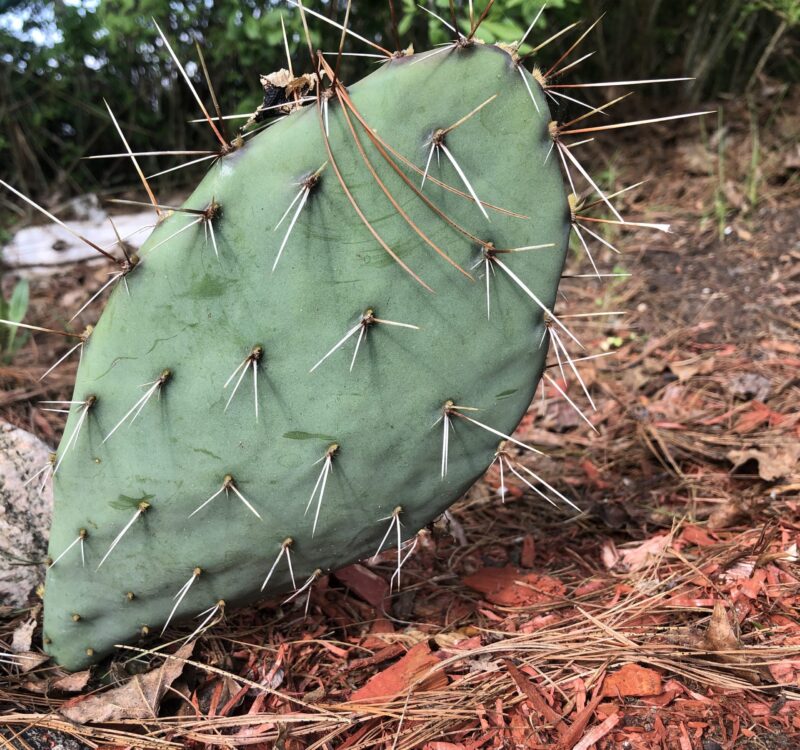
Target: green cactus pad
[(192, 321)]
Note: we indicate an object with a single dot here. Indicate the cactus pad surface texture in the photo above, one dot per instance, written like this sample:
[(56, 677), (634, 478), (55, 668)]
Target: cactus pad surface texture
[(215, 448)]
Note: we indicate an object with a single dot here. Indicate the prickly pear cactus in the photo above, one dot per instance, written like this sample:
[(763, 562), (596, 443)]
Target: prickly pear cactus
[(318, 358)]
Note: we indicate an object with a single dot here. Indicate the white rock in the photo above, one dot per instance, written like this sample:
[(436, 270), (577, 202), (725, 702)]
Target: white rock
[(24, 514), (48, 246)]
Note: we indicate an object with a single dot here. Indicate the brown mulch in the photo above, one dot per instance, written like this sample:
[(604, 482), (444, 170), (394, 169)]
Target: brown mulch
[(666, 614)]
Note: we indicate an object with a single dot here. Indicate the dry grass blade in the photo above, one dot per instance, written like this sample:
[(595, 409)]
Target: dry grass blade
[(386, 151), (424, 237), (407, 162)]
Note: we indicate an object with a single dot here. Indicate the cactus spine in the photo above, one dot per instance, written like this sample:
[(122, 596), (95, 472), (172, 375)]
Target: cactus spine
[(320, 351)]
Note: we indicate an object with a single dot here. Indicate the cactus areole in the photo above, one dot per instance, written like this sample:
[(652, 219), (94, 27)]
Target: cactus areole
[(322, 351)]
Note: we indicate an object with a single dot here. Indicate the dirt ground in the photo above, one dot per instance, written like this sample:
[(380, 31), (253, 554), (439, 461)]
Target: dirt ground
[(663, 615)]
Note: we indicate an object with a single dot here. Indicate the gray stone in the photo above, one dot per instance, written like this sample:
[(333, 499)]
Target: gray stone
[(25, 513), (40, 738)]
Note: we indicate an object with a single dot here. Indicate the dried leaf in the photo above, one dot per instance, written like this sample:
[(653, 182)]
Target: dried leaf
[(722, 639), (36, 687), (403, 675), (786, 672), (462, 639), (23, 636), (510, 587), (687, 369), (720, 636), (774, 461), (749, 385), (643, 555), (27, 661), (609, 554), (696, 535), (750, 420), (139, 698), (757, 414), (726, 514), (71, 683)]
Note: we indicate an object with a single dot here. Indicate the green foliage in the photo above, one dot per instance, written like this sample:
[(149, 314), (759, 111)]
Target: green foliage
[(14, 309), (192, 318), (786, 10), (67, 55)]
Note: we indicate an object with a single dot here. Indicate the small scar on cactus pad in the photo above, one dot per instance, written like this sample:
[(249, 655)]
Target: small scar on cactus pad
[(416, 218)]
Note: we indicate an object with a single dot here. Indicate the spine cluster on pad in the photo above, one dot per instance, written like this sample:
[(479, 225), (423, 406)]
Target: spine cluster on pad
[(322, 349), (274, 395)]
